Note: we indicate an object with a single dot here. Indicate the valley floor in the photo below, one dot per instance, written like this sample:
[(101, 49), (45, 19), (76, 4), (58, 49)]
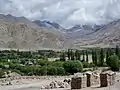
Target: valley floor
[(36, 84)]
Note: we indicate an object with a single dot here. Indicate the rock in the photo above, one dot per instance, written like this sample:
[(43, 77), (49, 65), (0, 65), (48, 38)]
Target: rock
[(51, 85), (66, 85), (118, 80), (58, 84), (42, 87), (9, 83), (47, 87), (61, 87), (67, 80)]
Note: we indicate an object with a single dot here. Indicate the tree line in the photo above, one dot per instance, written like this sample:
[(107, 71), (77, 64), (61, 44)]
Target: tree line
[(100, 56), (70, 61)]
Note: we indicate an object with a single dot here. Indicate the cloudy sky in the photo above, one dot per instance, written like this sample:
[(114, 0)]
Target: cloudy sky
[(65, 12)]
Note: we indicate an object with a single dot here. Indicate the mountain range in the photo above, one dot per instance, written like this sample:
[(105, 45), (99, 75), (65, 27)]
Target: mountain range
[(19, 32)]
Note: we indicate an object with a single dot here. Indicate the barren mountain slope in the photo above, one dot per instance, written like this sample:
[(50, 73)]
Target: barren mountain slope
[(24, 36), (107, 36)]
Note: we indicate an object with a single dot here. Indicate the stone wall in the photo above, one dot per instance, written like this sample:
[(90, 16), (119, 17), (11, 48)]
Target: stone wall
[(107, 79), (93, 78), (78, 82), (88, 79)]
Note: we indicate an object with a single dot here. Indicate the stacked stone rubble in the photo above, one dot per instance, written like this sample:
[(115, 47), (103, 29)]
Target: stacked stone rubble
[(93, 78), (56, 85), (88, 79), (79, 81), (76, 83), (107, 79)]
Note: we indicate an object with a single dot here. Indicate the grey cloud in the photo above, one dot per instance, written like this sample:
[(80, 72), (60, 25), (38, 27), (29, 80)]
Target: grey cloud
[(65, 12)]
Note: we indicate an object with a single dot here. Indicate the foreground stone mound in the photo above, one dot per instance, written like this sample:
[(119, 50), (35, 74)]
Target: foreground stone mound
[(57, 84)]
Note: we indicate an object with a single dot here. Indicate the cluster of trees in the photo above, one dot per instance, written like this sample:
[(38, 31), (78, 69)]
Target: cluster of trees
[(16, 54), (109, 57), (100, 57), (71, 61), (44, 67), (81, 55)]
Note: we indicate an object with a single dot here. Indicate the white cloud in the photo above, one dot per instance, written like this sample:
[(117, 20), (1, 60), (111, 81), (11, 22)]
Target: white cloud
[(65, 12)]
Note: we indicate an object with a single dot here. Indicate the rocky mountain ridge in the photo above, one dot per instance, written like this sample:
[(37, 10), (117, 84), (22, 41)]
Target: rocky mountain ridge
[(19, 32)]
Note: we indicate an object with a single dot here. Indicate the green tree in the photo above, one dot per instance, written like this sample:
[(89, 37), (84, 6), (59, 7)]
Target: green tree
[(43, 70), (69, 54), (109, 52), (83, 56), (60, 71), (77, 55), (73, 66), (27, 70), (102, 56), (117, 50), (51, 70), (96, 58), (113, 62), (72, 55), (43, 62), (1, 74), (93, 56), (57, 63), (85, 64), (87, 56), (63, 56), (107, 55)]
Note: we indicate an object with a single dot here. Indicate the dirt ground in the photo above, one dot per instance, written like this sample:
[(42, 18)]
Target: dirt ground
[(36, 84), (30, 84)]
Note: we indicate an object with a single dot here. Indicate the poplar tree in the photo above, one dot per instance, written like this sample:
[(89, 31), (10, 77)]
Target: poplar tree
[(86, 56), (83, 55), (102, 56), (108, 53), (69, 54), (93, 56), (77, 55), (62, 56), (117, 51), (72, 55)]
